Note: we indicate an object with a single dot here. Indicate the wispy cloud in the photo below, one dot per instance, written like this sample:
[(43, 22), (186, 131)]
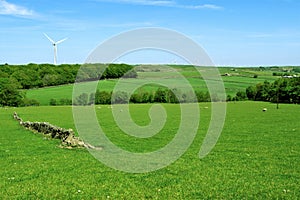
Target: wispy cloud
[(146, 2), (206, 6), (7, 8), (164, 3)]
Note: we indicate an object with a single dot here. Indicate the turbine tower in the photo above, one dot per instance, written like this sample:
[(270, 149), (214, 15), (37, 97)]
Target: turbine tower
[(55, 46)]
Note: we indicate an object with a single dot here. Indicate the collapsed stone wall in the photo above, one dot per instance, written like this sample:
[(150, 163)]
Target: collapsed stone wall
[(66, 136)]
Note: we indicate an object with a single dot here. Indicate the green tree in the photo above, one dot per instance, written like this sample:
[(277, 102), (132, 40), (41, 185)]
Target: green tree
[(120, 97), (161, 95), (9, 94), (102, 97), (82, 99)]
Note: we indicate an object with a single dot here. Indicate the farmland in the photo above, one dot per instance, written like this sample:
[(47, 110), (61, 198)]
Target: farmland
[(239, 80), (257, 156)]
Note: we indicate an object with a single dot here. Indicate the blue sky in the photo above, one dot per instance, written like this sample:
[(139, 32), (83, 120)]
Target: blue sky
[(233, 32)]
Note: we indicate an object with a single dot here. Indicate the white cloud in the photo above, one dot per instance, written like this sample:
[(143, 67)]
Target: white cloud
[(7, 8), (164, 3), (148, 2), (206, 6)]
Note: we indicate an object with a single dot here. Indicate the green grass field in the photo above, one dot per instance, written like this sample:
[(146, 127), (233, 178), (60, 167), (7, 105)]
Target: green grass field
[(239, 81), (256, 157)]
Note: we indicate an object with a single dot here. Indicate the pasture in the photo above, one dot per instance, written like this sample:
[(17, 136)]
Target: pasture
[(239, 80), (256, 157)]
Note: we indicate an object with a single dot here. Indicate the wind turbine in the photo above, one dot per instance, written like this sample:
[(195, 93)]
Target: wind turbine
[(55, 46)]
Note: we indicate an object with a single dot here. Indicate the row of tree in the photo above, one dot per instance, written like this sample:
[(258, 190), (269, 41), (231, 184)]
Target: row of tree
[(14, 78), (283, 90), (161, 95), (42, 75)]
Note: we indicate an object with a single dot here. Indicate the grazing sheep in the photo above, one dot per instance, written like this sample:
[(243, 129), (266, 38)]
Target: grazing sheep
[(265, 110)]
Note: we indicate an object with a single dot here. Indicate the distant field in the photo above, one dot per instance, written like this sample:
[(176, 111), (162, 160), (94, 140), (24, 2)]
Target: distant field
[(239, 80), (256, 157)]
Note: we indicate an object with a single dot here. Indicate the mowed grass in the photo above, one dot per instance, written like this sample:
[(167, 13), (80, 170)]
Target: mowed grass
[(256, 157), (239, 81)]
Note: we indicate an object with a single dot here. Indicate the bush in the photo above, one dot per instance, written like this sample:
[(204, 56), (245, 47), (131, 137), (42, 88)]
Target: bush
[(229, 98), (53, 102), (65, 102), (203, 97), (30, 102), (120, 97), (240, 96), (82, 100), (161, 95), (102, 97), (9, 94)]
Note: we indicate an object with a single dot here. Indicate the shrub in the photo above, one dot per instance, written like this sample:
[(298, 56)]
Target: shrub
[(65, 102), (119, 97), (161, 96), (102, 97), (82, 99), (30, 102), (229, 98), (240, 96), (53, 102)]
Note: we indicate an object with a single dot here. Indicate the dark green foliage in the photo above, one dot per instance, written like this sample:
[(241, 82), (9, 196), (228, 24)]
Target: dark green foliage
[(296, 69), (240, 96), (120, 97), (82, 99), (29, 102), (65, 102), (283, 90), (9, 94), (118, 71), (142, 96), (53, 102), (229, 98), (102, 97), (203, 97), (251, 92), (161, 95), (92, 99), (60, 102), (42, 75), (15, 77)]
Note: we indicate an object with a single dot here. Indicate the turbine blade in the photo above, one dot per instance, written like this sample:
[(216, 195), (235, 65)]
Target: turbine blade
[(49, 38), (60, 41)]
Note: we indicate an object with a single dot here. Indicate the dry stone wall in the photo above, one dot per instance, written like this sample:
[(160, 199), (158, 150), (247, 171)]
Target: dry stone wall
[(66, 136)]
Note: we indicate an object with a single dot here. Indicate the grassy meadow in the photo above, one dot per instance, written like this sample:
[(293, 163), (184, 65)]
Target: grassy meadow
[(239, 80), (256, 157)]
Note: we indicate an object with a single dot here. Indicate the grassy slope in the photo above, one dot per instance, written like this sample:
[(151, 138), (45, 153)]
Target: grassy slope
[(241, 79), (257, 156)]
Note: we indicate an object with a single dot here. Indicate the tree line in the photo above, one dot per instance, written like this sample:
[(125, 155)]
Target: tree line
[(43, 75), (283, 90), (15, 78), (161, 95)]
